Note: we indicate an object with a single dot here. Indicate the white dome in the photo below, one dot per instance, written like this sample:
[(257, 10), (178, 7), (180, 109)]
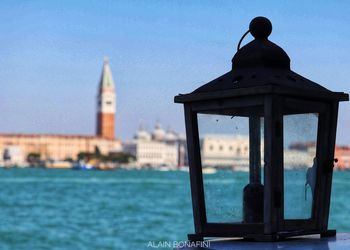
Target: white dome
[(170, 136), (182, 137), (142, 134), (158, 133)]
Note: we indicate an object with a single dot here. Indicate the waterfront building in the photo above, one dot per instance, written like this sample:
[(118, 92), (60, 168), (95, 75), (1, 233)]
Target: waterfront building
[(60, 147), (225, 151), (233, 152), (157, 148), (161, 147), (12, 155), (217, 150), (342, 154)]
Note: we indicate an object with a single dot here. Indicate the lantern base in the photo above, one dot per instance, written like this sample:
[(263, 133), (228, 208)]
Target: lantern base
[(195, 237), (342, 241), (266, 237), (329, 233)]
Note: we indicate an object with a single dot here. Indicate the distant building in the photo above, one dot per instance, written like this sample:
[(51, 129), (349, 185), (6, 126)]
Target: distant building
[(157, 148), (342, 154), (57, 147), (233, 152), (60, 147), (225, 151), (12, 155)]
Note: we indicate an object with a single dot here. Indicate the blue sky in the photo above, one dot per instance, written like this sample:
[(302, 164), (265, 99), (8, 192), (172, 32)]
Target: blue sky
[(51, 55)]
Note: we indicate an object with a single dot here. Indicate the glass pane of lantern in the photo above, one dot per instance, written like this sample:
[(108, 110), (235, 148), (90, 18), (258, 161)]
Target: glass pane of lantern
[(300, 137), (225, 151)]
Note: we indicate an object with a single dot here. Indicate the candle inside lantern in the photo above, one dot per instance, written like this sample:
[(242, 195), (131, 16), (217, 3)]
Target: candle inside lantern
[(253, 192)]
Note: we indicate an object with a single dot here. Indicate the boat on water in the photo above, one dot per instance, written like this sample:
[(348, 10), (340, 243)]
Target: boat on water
[(81, 165), (58, 164), (163, 169), (241, 168), (184, 168), (209, 170), (166, 168)]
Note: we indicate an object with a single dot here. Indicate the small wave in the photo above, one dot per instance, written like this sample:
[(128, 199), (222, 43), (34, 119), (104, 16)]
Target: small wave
[(342, 182), (90, 180), (219, 181)]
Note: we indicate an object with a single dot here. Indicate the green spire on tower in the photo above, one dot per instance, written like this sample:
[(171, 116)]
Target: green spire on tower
[(106, 77)]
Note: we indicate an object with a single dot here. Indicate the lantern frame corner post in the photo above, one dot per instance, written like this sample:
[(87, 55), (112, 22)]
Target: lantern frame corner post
[(273, 169), (195, 170), (328, 129)]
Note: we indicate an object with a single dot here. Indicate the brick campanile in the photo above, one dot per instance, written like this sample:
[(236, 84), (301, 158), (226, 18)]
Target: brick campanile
[(106, 104)]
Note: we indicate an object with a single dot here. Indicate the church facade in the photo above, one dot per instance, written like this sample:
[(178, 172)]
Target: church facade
[(60, 146)]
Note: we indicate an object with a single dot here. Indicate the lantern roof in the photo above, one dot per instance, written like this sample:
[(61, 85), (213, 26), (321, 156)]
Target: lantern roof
[(260, 67)]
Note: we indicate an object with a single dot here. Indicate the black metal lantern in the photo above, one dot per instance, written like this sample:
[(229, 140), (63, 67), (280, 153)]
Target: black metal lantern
[(277, 129)]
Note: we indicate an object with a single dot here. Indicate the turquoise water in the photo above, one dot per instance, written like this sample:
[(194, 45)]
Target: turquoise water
[(66, 209)]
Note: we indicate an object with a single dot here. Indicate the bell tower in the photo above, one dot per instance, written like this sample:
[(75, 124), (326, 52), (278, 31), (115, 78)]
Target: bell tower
[(106, 104)]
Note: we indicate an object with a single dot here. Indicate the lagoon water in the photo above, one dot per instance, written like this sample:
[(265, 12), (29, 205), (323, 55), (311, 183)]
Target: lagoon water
[(122, 209)]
